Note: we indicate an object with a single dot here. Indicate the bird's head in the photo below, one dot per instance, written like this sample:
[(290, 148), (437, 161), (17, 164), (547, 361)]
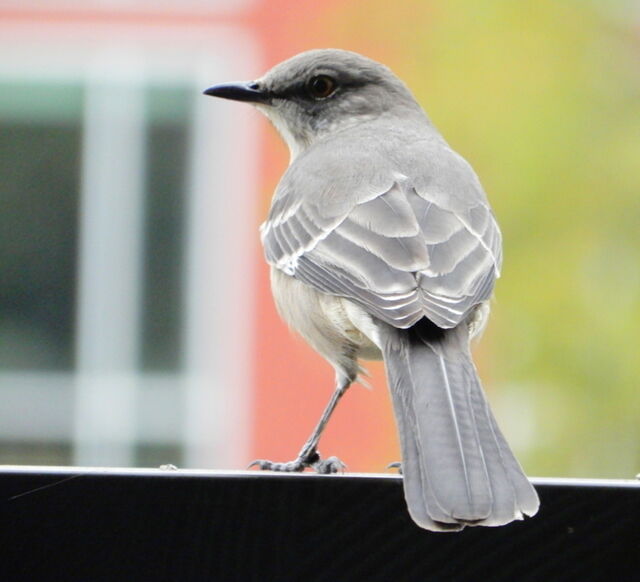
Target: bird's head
[(319, 92)]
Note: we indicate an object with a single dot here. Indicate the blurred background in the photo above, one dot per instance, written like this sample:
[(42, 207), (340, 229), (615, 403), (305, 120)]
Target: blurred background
[(136, 322)]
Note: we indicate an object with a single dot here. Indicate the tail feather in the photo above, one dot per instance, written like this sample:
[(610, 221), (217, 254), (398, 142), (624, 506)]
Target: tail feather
[(458, 469)]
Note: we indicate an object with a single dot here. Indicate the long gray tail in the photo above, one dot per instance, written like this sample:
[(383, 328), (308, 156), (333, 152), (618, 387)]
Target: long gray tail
[(458, 468)]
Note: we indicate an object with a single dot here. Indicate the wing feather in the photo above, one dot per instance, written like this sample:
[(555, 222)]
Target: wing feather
[(414, 241)]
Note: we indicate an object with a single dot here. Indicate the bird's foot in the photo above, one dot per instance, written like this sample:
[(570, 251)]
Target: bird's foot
[(310, 460), (329, 466), (396, 465)]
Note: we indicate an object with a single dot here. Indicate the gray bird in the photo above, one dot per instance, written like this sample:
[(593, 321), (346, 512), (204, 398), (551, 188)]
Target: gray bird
[(382, 244)]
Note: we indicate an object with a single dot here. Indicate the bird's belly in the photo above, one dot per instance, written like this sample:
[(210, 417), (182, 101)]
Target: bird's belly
[(333, 326)]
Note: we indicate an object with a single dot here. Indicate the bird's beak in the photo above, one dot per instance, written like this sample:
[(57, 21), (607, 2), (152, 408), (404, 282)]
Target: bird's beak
[(249, 91)]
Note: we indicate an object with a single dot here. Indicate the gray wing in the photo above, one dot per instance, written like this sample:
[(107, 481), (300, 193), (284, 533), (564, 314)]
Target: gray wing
[(404, 243)]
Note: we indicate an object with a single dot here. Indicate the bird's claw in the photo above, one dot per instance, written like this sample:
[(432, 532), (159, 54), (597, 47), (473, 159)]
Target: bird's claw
[(396, 465), (328, 466), (290, 467)]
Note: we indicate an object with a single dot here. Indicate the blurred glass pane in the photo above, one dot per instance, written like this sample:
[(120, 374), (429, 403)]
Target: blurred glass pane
[(157, 454), (41, 103), (40, 141), (166, 160), (35, 453)]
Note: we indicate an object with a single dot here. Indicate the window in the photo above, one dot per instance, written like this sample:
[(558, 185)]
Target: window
[(115, 296)]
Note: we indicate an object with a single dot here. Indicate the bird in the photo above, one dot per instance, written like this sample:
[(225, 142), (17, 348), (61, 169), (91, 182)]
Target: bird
[(382, 244)]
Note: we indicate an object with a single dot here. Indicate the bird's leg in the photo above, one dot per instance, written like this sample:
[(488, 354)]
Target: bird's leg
[(308, 455)]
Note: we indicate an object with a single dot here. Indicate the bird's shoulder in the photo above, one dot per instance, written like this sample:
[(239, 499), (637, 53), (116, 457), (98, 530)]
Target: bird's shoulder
[(401, 226), (353, 166)]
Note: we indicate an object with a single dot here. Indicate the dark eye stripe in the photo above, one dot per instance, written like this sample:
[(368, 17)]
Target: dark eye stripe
[(299, 90)]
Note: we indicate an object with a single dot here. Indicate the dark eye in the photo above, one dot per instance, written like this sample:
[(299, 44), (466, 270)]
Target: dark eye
[(321, 86)]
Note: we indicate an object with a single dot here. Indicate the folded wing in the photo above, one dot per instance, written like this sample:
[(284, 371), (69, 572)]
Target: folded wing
[(403, 244)]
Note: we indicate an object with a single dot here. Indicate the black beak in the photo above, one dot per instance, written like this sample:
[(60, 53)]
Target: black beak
[(249, 91)]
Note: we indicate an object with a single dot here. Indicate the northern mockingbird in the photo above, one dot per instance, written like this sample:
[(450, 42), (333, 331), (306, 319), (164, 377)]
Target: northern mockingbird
[(382, 244)]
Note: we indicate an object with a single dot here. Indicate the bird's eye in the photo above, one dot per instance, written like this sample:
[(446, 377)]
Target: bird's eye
[(321, 86)]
